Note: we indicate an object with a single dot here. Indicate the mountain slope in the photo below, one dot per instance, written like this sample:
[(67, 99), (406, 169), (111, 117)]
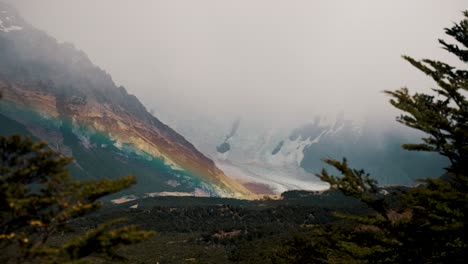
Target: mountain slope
[(57, 94), (285, 158)]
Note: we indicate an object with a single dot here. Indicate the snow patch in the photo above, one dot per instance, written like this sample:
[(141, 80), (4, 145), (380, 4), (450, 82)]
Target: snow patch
[(4, 27), (292, 151), (157, 194), (124, 199), (278, 179), (198, 192)]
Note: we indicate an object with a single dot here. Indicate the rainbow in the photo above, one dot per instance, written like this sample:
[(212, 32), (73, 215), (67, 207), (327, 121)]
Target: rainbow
[(106, 127)]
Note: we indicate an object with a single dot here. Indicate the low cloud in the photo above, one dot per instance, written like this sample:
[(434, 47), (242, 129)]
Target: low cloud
[(277, 62)]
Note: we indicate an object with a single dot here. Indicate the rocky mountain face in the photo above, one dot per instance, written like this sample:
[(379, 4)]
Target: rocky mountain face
[(379, 153), (53, 92), (288, 158)]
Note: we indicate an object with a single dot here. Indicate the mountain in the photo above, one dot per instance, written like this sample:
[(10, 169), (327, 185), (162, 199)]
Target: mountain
[(53, 92), (378, 152), (285, 158)]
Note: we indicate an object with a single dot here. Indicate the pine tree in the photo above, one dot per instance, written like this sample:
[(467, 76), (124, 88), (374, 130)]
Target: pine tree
[(429, 224), (430, 227), (38, 197)]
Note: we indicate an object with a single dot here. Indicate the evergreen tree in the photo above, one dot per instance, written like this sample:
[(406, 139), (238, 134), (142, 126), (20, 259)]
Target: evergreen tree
[(38, 197), (429, 224)]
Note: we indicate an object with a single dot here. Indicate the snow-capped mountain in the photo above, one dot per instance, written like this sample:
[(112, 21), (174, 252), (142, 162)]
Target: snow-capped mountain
[(267, 158), (52, 91)]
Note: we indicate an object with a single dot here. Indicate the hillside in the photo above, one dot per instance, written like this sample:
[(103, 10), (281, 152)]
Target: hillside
[(53, 92)]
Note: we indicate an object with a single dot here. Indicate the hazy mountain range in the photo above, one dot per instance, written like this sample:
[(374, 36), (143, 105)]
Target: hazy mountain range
[(288, 158), (53, 92)]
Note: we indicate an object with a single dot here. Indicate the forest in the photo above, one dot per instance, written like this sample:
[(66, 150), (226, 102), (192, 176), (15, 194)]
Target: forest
[(46, 216)]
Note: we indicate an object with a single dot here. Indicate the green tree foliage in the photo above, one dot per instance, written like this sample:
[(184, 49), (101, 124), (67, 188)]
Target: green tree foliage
[(429, 223), (39, 197)]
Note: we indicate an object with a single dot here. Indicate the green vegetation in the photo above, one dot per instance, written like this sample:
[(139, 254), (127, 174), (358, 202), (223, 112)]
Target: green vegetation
[(38, 198), (356, 221), (99, 155), (221, 230), (427, 225)]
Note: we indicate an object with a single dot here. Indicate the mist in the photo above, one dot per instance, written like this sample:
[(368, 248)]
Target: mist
[(269, 62)]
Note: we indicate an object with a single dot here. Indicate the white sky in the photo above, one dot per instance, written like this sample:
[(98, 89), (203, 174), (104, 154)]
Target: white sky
[(266, 60)]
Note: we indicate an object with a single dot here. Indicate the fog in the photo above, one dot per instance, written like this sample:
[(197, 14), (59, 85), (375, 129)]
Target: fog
[(265, 61)]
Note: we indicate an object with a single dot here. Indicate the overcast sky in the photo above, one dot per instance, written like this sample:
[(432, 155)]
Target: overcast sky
[(258, 59)]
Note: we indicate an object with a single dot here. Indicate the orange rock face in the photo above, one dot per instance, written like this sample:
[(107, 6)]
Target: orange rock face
[(142, 132)]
